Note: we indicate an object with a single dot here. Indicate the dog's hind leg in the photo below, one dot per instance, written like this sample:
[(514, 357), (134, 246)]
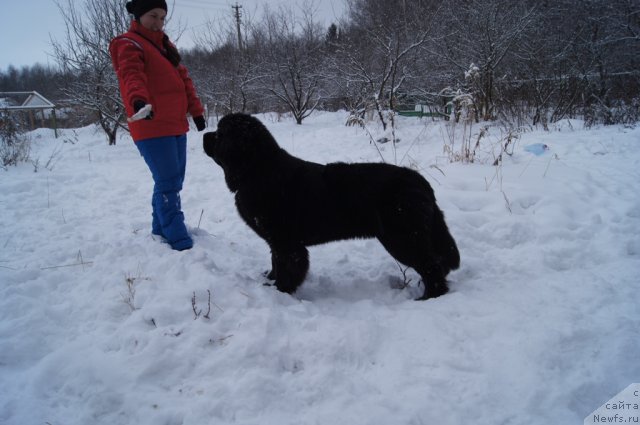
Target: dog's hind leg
[(444, 243), (414, 249), (435, 283), (271, 274), (290, 266)]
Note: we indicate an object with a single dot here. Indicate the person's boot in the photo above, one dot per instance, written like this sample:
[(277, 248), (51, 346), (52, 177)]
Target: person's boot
[(172, 221), (156, 227)]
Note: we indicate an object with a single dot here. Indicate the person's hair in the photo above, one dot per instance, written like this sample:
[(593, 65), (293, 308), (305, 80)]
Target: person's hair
[(171, 52)]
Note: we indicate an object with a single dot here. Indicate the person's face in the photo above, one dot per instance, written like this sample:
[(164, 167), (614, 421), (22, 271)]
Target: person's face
[(154, 19)]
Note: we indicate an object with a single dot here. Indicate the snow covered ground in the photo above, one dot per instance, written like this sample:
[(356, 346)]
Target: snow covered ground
[(542, 326)]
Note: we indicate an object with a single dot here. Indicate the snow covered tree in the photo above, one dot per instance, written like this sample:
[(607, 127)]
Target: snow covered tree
[(532, 61), (484, 33), (608, 45), (292, 65), (225, 73), (84, 53), (380, 47)]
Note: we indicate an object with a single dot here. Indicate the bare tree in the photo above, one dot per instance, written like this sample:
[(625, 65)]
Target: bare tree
[(224, 71), (293, 62), (42, 78), (609, 42), (484, 33), (582, 61), (380, 48), (84, 53), (537, 61)]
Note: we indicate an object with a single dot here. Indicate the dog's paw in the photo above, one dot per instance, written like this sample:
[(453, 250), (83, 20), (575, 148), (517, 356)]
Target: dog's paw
[(433, 293)]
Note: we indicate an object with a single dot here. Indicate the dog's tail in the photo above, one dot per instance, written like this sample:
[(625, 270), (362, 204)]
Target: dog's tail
[(444, 243)]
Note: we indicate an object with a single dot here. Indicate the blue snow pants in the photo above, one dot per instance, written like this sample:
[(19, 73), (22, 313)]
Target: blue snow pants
[(167, 161)]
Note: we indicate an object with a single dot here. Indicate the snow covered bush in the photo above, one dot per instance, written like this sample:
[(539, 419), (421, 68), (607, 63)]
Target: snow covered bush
[(14, 144), (618, 113), (459, 144)]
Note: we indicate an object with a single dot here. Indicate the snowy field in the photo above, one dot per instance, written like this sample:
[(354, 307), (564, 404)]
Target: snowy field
[(542, 325)]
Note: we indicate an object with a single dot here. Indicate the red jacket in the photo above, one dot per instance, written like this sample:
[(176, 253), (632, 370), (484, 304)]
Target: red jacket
[(145, 74)]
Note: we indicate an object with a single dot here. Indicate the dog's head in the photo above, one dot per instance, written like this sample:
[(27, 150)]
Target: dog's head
[(241, 146)]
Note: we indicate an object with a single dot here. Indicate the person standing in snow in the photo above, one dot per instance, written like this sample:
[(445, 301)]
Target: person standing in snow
[(157, 94)]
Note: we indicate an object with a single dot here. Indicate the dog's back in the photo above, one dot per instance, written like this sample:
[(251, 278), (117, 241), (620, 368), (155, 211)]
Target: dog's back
[(387, 186)]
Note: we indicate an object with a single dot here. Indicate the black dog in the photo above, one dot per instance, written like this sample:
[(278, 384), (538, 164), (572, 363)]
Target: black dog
[(292, 204)]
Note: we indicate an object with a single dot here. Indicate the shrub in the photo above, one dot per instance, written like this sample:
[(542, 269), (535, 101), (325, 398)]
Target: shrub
[(15, 146), (619, 112)]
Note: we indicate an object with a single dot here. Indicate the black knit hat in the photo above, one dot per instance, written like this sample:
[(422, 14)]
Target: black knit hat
[(139, 7)]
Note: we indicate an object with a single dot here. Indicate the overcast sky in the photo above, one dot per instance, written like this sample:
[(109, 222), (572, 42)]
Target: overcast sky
[(27, 26)]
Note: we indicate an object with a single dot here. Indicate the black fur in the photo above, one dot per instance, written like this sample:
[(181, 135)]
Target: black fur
[(292, 204)]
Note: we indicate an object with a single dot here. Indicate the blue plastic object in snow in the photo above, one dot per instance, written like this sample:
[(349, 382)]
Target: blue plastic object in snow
[(537, 148)]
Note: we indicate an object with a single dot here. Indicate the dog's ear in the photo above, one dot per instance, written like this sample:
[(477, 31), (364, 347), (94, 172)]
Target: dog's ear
[(249, 131), (262, 137)]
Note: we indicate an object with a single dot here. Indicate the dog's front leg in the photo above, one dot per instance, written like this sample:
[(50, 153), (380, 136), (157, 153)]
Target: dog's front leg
[(290, 266)]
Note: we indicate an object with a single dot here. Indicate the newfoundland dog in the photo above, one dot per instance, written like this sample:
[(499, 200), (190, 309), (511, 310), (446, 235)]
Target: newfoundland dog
[(292, 204)]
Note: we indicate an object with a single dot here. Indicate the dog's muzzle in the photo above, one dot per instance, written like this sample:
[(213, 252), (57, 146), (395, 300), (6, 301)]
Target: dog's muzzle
[(209, 143)]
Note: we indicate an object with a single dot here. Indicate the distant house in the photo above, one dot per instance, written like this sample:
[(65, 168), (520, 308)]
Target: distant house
[(30, 102)]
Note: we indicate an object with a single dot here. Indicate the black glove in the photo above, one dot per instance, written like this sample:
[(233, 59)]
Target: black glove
[(201, 124), (139, 104)]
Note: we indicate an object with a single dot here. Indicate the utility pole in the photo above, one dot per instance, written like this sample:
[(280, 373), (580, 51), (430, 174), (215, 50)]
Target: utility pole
[(238, 14)]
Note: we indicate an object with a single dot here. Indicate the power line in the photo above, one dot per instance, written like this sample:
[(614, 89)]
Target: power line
[(202, 6), (201, 3), (216, 8), (192, 4)]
